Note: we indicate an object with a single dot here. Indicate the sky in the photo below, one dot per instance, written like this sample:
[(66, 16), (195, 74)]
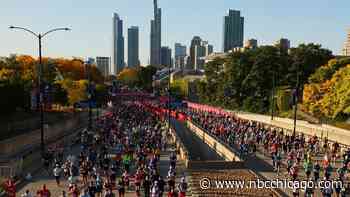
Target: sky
[(302, 21)]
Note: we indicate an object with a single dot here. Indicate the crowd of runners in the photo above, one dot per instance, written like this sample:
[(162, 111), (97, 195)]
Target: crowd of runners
[(302, 157), (122, 155)]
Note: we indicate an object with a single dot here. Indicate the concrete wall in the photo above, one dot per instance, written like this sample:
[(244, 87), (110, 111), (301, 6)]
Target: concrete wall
[(22, 143), (180, 147), (220, 148)]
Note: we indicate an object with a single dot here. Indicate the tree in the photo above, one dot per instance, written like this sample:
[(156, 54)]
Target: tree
[(128, 76), (328, 91)]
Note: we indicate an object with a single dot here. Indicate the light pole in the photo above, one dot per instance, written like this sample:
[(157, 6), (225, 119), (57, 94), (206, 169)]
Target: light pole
[(90, 91), (273, 95), (40, 80), (296, 95), (169, 98)]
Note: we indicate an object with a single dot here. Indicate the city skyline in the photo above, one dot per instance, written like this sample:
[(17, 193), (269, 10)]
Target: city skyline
[(90, 37)]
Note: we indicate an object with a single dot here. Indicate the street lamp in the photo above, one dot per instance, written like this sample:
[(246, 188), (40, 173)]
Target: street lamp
[(39, 36), (295, 100)]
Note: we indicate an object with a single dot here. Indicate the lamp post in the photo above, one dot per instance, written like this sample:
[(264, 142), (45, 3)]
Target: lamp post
[(169, 98), (295, 100), (89, 88), (273, 95), (40, 36)]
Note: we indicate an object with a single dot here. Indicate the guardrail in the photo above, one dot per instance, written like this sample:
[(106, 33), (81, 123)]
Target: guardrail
[(225, 151)]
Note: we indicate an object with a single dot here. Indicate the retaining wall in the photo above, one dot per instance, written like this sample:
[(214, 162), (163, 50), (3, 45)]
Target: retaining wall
[(227, 153)]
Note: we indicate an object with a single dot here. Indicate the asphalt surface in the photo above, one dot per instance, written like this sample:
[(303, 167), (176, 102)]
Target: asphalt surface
[(198, 150)]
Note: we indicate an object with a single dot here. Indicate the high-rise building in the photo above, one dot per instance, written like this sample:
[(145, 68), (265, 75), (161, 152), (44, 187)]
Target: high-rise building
[(283, 44), (251, 44), (118, 45), (179, 56), (233, 30), (346, 50), (156, 35), (201, 51), (166, 56), (133, 46), (103, 64), (196, 41)]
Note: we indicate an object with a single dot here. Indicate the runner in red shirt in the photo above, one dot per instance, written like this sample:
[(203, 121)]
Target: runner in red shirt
[(44, 192), (10, 188)]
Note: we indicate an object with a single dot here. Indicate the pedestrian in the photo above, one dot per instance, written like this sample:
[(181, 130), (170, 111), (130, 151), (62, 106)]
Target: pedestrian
[(57, 173), (74, 191), (121, 187), (146, 186), (182, 187), (109, 193), (44, 192), (27, 194), (10, 188), (85, 193), (64, 194), (172, 193)]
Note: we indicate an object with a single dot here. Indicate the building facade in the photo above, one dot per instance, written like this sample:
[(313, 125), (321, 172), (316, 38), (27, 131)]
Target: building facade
[(201, 51), (196, 41), (233, 31), (103, 65), (283, 44), (133, 47), (179, 55), (118, 45), (346, 50), (156, 35), (251, 44), (166, 56)]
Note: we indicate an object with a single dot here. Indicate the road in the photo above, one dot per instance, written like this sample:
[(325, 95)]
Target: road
[(41, 177)]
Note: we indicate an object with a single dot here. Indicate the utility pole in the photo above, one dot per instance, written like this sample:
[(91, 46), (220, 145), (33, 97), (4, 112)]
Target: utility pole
[(296, 95), (40, 94), (88, 73), (273, 96)]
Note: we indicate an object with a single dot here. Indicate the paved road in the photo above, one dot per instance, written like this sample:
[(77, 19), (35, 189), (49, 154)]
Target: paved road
[(42, 177), (198, 150)]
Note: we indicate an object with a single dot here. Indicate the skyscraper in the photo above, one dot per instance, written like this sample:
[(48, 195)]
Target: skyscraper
[(283, 44), (180, 54), (251, 44), (133, 46), (233, 30), (156, 35), (118, 45), (103, 64), (201, 51), (346, 50), (196, 41), (166, 56)]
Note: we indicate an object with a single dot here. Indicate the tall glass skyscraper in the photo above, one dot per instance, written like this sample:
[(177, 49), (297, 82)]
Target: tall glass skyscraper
[(156, 35), (118, 45), (233, 30), (196, 41), (179, 56), (133, 46)]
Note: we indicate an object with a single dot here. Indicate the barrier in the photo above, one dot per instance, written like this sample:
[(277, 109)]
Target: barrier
[(220, 148), (180, 147), (23, 143)]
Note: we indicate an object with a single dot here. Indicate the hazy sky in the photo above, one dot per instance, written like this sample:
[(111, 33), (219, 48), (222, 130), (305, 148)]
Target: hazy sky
[(320, 21)]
